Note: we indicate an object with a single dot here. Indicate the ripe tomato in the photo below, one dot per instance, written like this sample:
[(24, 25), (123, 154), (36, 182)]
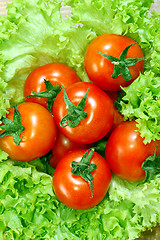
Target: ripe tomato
[(100, 70), (118, 117), (56, 73), (73, 190), (61, 147), (38, 136), (98, 107), (155, 145), (125, 152)]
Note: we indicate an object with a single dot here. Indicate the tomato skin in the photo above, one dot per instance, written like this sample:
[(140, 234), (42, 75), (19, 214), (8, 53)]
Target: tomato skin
[(39, 134), (62, 146), (74, 191), (154, 145), (56, 73), (125, 152), (100, 69), (99, 108)]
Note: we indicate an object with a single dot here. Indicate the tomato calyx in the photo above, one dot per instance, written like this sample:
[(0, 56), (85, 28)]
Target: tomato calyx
[(122, 63), (84, 168), (75, 113), (50, 93), (14, 127), (151, 166)]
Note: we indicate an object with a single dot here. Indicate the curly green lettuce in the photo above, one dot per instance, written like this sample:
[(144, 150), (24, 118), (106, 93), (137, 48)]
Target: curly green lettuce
[(32, 34), (142, 103), (30, 210), (142, 97)]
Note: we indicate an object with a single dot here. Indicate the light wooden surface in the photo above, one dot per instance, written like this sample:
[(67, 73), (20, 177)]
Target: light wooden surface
[(3, 4)]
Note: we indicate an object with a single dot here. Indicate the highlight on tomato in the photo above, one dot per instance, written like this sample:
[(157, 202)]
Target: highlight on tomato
[(28, 132), (81, 179), (112, 61), (127, 155), (62, 146), (83, 112), (43, 83)]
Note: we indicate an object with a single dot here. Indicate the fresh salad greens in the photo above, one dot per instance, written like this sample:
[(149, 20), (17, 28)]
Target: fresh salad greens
[(142, 103), (34, 33)]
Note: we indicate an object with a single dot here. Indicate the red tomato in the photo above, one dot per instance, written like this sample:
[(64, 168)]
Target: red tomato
[(73, 190), (125, 152), (56, 73), (39, 134), (155, 145), (99, 109), (61, 147), (100, 70), (118, 117)]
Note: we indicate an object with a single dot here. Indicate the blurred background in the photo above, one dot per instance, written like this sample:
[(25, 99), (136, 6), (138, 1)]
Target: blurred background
[(3, 4)]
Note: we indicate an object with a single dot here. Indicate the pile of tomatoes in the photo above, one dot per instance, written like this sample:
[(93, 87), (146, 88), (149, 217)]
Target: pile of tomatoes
[(78, 115)]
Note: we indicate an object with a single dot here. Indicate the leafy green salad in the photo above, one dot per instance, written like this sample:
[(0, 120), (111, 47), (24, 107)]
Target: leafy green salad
[(33, 34)]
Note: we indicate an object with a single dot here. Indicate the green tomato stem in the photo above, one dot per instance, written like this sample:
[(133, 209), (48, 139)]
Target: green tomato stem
[(13, 128), (84, 168), (122, 63), (75, 113)]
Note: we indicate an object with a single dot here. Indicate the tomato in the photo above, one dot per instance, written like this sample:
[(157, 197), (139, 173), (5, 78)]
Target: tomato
[(125, 152), (98, 109), (118, 117), (39, 133), (61, 147), (100, 70), (56, 73), (155, 145), (73, 190)]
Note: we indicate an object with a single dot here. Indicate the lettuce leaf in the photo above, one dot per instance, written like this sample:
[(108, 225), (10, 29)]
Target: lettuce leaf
[(142, 102), (32, 34), (142, 99), (30, 210)]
